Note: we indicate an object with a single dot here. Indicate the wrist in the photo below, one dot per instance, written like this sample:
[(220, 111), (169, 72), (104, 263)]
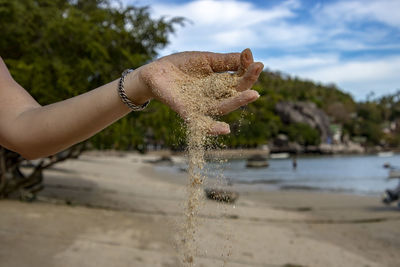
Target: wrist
[(137, 91)]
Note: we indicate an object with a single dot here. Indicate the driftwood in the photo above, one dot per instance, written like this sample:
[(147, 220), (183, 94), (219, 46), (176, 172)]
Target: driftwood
[(15, 183)]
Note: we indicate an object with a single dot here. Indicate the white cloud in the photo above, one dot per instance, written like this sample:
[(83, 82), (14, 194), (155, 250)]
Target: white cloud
[(356, 76), (233, 38), (285, 35), (385, 11), (301, 63), (314, 46), (230, 25), (226, 25), (367, 70), (223, 13)]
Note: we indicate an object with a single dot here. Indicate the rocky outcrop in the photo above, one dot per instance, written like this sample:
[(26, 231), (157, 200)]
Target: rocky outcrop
[(346, 148), (307, 113)]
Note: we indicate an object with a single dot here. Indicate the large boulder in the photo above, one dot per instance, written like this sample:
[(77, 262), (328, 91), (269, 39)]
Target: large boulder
[(344, 148), (307, 113)]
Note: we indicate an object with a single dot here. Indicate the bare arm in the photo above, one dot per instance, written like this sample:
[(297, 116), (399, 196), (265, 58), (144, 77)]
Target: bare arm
[(36, 131)]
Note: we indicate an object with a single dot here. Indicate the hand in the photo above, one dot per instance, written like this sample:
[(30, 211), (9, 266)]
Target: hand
[(158, 79)]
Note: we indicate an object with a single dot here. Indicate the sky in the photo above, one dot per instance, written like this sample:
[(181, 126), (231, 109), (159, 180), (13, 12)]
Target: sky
[(354, 44)]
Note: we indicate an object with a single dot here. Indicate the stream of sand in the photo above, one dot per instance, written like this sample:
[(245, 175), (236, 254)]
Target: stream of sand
[(201, 97)]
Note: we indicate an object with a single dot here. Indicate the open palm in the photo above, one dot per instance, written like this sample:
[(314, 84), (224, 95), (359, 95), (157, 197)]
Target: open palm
[(164, 75)]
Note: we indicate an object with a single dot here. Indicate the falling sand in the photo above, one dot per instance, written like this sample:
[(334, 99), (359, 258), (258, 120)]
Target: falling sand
[(202, 96)]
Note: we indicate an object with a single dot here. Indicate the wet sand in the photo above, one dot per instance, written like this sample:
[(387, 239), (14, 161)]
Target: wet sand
[(104, 210)]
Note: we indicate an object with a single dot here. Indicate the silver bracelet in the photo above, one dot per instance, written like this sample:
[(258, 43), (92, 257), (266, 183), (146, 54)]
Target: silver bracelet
[(123, 95)]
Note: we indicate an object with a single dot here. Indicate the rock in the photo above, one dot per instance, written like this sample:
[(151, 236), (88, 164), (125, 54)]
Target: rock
[(183, 169), (307, 113), (349, 148), (257, 161), (221, 195), (257, 157), (353, 147), (162, 160)]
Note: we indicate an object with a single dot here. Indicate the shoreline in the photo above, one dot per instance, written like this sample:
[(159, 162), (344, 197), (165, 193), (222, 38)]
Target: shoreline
[(283, 178), (109, 210), (241, 153), (273, 185), (245, 152), (326, 209)]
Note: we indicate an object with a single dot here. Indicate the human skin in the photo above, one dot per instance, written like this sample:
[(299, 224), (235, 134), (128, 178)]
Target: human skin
[(37, 131)]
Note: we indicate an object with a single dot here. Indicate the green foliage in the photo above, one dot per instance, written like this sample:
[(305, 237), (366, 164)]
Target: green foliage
[(393, 140), (259, 123), (373, 116), (302, 134), (57, 49)]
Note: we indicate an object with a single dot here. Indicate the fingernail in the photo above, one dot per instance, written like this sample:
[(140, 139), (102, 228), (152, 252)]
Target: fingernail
[(246, 56), (224, 128)]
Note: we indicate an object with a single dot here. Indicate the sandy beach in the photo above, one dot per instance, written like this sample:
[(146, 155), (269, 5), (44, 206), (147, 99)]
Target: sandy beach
[(117, 210)]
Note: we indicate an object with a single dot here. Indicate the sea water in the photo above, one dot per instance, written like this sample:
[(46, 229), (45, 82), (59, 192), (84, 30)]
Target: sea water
[(359, 174)]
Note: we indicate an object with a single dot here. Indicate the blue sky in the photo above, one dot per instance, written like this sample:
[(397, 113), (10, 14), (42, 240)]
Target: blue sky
[(354, 44)]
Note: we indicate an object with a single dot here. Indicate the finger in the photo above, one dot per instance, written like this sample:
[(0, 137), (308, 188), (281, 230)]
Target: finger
[(250, 76), (246, 58), (236, 102), (219, 128), (224, 62)]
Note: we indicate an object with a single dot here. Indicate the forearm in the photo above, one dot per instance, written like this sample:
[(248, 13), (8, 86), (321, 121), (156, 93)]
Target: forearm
[(46, 130), (36, 131)]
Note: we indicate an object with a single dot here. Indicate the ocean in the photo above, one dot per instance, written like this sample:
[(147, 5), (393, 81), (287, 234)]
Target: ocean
[(359, 174)]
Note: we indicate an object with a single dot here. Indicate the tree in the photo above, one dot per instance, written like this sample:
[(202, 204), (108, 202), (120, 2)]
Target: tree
[(302, 134), (57, 49), (14, 182)]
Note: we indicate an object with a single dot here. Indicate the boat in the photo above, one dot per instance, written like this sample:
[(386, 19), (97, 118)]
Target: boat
[(257, 161), (385, 154), (279, 155), (393, 174)]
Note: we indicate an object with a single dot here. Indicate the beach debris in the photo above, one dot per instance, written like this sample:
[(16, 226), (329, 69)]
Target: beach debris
[(183, 169), (167, 160), (221, 195), (257, 161), (293, 265)]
